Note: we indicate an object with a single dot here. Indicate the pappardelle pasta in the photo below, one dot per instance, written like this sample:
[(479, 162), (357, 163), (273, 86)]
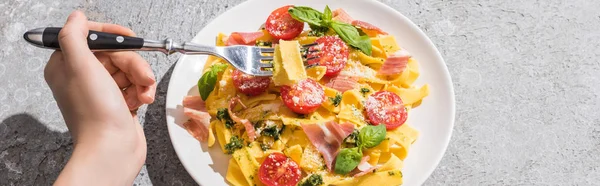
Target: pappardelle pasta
[(333, 113)]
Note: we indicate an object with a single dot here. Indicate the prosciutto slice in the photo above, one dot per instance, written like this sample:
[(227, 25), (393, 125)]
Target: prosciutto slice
[(343, 83), (371, 30), (328, 138), (341, 16), (368, 28), (197, 126), (395, 63), (247, 124), (363, 168), (243, 38)]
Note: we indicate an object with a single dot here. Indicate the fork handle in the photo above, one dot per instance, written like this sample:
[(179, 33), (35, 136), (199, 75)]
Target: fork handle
[(96, 40)]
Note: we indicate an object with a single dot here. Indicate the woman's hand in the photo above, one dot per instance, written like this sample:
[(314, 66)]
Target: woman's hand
[(98, 94)]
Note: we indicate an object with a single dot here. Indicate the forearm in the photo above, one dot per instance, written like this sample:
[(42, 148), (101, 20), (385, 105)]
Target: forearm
[(98, 162)]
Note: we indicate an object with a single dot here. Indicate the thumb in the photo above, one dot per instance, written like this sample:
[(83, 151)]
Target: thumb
[(73, 38)]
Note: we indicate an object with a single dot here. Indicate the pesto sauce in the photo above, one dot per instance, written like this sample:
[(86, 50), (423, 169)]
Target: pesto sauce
[(264, 147), (364, 91), (264, 43), (223, 115), (313, 180), (336, 100), (234, 144), (271, 131)]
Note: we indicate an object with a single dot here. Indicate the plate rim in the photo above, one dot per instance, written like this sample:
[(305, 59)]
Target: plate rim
[(379, 4)]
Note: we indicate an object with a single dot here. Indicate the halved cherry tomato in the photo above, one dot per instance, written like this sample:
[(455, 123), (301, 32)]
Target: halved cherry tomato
[(279, 170), (385, 107), (281, 25), (249, 84), (332, 53), (304, 97)]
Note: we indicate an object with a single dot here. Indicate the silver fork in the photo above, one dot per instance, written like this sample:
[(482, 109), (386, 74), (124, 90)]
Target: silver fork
[(248, 59)]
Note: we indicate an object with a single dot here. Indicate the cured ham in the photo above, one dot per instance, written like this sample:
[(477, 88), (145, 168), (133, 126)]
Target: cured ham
[(368, 28), (364, 164), (395, 63), (343, 83), (197, 130), (197, 126), (363, 168), (243, 38), (328, 138), (247, 124), (341, 16)]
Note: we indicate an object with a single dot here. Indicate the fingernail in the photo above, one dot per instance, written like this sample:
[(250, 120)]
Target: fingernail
[(150, 75), (150, 98), (131, 102)]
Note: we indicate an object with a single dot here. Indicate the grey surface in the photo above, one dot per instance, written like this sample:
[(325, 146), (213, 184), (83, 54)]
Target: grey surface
[(526, 76)]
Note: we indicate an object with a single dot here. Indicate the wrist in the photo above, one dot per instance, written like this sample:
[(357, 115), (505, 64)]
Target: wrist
[(104, 157)]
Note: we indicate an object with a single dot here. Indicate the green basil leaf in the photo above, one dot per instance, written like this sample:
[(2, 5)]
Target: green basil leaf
[(307, 14), (347, 159), (350, 35), (317, 31), (219, 67), (347, 32), (206, 83), (327, 15), (371, 136), (364, 44)]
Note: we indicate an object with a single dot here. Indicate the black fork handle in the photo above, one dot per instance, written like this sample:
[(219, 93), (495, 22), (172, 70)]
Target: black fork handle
[(48, 38)]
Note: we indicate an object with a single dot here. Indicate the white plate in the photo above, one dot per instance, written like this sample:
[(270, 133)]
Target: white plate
[(434, 118)]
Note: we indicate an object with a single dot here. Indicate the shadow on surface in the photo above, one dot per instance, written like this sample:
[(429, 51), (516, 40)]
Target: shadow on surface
[(31, 154), (164, 168)]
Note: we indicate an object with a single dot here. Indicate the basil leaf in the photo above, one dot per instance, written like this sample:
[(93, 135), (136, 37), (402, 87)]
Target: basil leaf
[(317, 31), (364, 44), (327, 15), (206, 83), (307, 14), (371, 136), (346, 160), (350, 35), (219, 67)]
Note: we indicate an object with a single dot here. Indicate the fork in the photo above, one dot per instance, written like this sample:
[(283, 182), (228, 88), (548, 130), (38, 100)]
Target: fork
[(248, 59)]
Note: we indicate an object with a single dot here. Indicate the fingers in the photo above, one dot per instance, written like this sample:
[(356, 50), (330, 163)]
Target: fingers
[(72, 39), (146, 94), (136, 95), (133, 65), (121, 79), (110, 28), (105, 60), (52, 65), (131, 98)]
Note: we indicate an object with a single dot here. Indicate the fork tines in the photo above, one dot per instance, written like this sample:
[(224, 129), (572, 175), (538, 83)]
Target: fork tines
[(305, 50), (272, 50)]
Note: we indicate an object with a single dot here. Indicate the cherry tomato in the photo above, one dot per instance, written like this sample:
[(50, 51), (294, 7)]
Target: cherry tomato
[(249, 84), (281, 25), (279, 170), (385, 107), (304, 97), (332, 53)]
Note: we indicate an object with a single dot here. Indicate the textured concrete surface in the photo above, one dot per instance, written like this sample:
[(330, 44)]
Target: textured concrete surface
[(526, 76)]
